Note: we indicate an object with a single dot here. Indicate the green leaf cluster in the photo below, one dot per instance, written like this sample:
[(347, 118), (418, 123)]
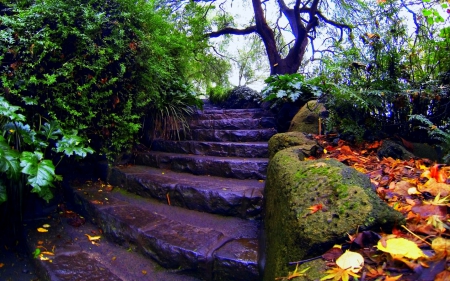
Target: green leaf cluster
[(288, 88)]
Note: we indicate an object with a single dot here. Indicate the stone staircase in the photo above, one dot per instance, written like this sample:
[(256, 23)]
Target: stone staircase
[(191, 208)]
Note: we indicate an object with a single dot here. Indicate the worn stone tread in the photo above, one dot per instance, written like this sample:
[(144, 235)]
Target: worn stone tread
[(76, 258), (229, 167), (232, 135), (173, 236), (237, 123), (233, 149), (217, 195)]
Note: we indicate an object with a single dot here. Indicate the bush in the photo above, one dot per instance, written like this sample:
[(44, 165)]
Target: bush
[(93, 66)]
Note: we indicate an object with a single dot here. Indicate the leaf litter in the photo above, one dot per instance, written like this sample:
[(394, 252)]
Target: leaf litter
[(420, 190)]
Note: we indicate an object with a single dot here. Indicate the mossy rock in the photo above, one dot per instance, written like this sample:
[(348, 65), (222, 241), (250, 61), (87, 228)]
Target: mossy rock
[(292, 186), (307, 118), (285, 140)]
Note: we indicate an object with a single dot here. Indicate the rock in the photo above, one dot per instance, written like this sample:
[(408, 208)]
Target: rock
[(285, 113), (242, 97), (307, 118), (285, 140), (392, 149), (423, 150), (292, 232)]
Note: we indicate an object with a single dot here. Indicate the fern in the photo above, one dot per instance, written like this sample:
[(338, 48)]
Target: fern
[(436, 133)]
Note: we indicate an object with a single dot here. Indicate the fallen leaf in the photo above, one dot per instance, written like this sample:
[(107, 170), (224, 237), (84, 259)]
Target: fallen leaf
[(40, 229), (2, 264), (443, 276), (435, 188), (144, 272), (46, 225), (92, 238), (441, 247), (337, 273), (315, 208), (401, 247), (113, 258), (352, 261), (48, 253)]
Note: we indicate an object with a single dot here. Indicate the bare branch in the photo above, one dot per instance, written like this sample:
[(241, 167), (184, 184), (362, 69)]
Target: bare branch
[(231, 30), (219, 54)]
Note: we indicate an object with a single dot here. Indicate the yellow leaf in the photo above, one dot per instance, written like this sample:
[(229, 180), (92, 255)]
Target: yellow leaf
[(113, 258), (40, 229), (441, 246), (144, 272), (337, 273), (46, 225), (350, 260), (401, 247), (93, 238)]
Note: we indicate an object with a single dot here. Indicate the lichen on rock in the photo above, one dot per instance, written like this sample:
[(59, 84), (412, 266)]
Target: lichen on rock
[(292, 231)]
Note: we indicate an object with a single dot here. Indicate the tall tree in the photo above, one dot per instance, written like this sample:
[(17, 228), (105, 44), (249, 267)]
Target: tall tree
[(304, 18)]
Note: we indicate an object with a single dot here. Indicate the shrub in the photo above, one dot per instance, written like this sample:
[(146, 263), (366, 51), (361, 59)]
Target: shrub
[(92, 66)]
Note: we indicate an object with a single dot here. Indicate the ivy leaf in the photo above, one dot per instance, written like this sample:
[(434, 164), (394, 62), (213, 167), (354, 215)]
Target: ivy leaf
[(41, 172), (73, 144), (9, 159)]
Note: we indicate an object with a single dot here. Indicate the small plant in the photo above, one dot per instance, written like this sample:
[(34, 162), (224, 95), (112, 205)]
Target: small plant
[(288, 88), (26, 155)]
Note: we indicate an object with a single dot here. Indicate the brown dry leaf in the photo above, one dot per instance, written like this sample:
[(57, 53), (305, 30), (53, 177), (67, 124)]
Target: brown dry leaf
[(2, 264), (40, 242), (41, 229), (113, 258), (443, 276), (144, 272), (435, 188), (48, 253), (393, 278)]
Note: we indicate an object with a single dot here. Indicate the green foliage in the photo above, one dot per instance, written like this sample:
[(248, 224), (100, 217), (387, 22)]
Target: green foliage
[(440, 134), (288, 88), (94, 67), (218, 94), (23, 152), (170, 109)]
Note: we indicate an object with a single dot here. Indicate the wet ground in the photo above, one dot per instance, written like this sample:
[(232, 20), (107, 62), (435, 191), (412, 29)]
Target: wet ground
[(15, 261)]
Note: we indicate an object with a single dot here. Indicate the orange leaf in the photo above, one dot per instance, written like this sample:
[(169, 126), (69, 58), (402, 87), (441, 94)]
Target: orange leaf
[(315, 208)]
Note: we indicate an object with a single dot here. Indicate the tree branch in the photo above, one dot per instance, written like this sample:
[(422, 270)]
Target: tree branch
[(231, 30)]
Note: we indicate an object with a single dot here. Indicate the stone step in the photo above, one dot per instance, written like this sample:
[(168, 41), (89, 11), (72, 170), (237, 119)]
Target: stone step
[(233, 149), (210, 114), (76, 258), (233, 123), (209, 246), (228, 167), (224, 196), (232, 135)]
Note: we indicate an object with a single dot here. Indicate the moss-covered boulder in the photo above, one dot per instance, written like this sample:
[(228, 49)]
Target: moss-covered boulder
[(292, 232), (307, 118), (284, 140)]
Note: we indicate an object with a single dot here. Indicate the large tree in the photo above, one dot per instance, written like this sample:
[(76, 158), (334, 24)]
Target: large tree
[(304, 19)]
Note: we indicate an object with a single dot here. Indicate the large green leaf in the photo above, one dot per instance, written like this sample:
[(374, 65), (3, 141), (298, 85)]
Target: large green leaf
[(9, 159), (73, 144), (41, 172), (51, 130)]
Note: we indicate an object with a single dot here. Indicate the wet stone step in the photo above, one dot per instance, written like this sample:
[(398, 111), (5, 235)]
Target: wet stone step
[(224, 196), (71, 256), (231, 149), (232, 135), (194, 242), (234, 123), (229, 114), (228, 167)]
